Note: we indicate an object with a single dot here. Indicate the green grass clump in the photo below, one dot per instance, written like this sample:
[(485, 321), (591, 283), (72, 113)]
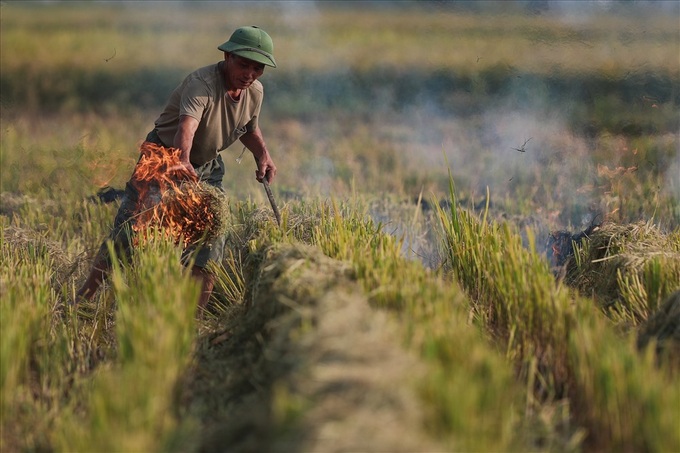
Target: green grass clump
[(661, 331), (49, 350), (615, 392), (625, 399), (34, 351), (471, 399), (130, 404)]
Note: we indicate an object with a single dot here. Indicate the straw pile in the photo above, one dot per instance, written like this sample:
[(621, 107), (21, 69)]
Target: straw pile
[(12, 203), (21, 241), (188, 213), (308, 366), (193, 212), (633, 267)]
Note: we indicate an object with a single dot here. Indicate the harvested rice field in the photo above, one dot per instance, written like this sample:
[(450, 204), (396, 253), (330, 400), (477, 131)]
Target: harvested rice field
[(477, 245)]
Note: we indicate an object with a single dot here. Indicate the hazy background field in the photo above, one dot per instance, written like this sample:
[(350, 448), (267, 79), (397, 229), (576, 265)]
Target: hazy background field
[(373, 97)]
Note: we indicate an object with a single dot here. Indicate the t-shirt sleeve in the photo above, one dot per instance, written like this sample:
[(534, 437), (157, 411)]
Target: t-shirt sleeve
[(252, 124), (194, 100)]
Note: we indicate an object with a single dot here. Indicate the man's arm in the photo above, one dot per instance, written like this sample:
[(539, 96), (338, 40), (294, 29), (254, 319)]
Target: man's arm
[(184, 139), (265, 165)]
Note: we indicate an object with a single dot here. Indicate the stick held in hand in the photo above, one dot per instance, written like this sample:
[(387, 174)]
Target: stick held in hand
[(268, 189)]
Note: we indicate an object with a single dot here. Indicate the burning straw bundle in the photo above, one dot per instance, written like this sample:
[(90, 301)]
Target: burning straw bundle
[(170, 198), (193, 212)]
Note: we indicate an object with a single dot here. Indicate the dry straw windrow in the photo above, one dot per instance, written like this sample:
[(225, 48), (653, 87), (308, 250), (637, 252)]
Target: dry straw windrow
[(129, 404), (292, 367), (470, 397), (629, 269)]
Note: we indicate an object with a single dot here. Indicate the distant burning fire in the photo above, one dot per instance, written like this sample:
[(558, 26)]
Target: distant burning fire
[(173, 200), (560, 246)]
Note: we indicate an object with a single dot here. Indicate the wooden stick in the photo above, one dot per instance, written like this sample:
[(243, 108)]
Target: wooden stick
[(271, 201)]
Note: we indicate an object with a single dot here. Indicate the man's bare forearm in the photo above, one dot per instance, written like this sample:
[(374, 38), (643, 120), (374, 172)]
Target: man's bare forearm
[(185, 136), (184, 139), (254, 141), (265, 165)]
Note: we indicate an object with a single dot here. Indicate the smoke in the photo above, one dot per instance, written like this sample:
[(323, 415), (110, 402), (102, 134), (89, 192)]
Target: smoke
[(523, 147)]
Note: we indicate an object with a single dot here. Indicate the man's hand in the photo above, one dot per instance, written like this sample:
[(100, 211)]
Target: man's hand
[(187, 171), (265, 169), (183, 141)]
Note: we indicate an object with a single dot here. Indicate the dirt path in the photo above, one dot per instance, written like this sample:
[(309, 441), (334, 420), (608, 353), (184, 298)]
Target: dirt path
[(309, 367)]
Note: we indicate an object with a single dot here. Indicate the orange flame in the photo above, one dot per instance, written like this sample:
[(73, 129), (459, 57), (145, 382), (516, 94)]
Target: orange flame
[(161, 165), (169, 196)]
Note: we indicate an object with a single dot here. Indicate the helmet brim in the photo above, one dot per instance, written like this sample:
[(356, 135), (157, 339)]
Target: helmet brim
[(250, 53)]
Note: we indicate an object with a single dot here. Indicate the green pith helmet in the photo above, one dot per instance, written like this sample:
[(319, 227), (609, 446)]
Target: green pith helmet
[(252, 43)]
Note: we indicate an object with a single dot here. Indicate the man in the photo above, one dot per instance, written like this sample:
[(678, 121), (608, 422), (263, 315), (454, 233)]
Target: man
[(212, 108)]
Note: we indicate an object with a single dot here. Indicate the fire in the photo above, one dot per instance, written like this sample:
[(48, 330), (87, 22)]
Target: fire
[(560, 246), (161, 165), (173, 200)]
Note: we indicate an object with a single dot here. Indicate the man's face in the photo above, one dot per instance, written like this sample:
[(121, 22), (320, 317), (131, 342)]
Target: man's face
[(241, 72)]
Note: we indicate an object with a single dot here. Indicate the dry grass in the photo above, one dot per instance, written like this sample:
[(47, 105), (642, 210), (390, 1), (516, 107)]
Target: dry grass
[(629, 269), (193, 212), (562, 345), (63, 264), (292, 369)]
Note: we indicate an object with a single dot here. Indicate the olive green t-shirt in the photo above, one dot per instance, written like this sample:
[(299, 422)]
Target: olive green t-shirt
[(221, 121)]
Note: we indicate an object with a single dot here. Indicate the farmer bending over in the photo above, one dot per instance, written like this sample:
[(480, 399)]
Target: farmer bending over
[(212, 108)]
